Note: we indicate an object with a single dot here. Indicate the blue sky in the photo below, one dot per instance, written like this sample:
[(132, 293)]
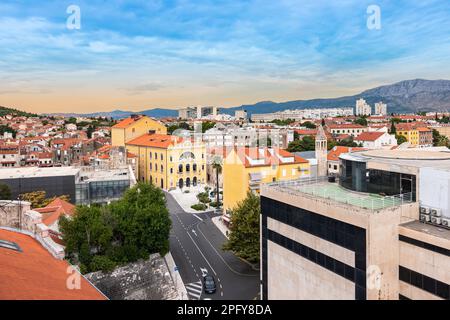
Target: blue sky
[(144, 54)]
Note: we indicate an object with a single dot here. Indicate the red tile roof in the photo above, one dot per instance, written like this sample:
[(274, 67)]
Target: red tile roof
[(345, 126), (125, 123), (34, 274), (155, 140), (334, 154), (369, 136), (54, 210)]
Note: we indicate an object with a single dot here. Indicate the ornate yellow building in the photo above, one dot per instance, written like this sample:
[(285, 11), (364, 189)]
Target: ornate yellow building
[(134, 127), (247, 168), (169, 161)]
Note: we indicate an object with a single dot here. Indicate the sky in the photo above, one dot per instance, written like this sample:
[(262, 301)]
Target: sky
[(142, 54)]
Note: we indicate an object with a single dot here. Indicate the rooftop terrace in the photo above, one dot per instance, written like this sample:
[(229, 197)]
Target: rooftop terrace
[(321, 188)]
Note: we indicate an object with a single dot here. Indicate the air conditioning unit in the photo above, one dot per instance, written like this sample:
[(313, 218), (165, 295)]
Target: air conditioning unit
[(424, 210), (425, 218), (436, 212), (446, 222), (436, 220)]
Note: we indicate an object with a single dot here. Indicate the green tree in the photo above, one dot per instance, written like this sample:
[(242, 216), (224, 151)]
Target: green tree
[(6, 128), (244, 229), (308, 143), (5, 192), (401, 139), (361, 121), (393, 128), (89, 131), (206, 125), (100, 238), (440, 140), (38, 199), (309, 125)]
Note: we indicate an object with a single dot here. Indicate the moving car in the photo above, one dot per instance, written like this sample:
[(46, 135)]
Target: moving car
[(209, 284)]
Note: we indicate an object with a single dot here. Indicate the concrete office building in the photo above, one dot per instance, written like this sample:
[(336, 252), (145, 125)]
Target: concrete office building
[(380, 232), (84, 185)]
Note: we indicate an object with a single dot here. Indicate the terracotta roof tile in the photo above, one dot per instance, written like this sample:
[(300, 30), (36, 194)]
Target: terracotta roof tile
[(34, 274), (369, 136)]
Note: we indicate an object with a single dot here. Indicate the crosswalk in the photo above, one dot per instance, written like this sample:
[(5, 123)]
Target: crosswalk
[(194, 290)]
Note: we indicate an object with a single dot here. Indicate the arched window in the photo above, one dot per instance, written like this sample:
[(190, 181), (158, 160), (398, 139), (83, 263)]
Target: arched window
[(194, 167), (194, 181), (162, 168), (187, 156), (162, 183), (188, 182), (180, 168), (188, 167), (180, 183)]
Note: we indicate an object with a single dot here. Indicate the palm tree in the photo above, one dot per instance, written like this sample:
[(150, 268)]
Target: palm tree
[(218, 167)]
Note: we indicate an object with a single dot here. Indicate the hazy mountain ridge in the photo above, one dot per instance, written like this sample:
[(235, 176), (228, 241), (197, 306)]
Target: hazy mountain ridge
[(407, 96)]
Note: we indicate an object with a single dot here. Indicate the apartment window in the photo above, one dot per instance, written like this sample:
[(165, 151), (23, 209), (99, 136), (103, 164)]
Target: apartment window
[(171, 159), (151, 167), (171, 171), (156, 156), (151, 155), (194, 167), (162, 157), (162, 168)]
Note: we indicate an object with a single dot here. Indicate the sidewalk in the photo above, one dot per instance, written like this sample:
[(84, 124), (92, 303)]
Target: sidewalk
[(221, 226), (177, 281), (186, 200)]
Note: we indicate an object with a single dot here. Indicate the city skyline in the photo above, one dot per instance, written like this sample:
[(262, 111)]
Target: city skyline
[(143, 55)]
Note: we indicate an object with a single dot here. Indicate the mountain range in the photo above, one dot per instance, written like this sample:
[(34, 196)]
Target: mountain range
[(409, 96)]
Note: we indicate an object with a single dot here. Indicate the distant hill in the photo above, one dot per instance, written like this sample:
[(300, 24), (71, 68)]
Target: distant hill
[(10, 111), (409, 96)]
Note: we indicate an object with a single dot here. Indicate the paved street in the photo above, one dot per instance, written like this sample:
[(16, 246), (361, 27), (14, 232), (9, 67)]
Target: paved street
[(195, 244)]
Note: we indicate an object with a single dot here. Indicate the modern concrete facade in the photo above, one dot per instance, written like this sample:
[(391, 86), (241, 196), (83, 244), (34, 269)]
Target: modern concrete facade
[(360, 239)]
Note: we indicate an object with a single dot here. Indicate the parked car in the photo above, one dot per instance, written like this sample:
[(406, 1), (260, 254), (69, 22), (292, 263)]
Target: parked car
[(209, 284)]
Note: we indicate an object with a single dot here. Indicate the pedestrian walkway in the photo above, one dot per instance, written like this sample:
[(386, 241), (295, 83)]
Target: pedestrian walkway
[(194, 290)]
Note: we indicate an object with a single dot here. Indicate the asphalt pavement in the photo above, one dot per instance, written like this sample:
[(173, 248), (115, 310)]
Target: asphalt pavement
[(196, 246)]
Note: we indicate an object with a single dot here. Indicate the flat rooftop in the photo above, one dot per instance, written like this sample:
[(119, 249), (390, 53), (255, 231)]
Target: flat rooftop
[(415, 157), (95, 174), (333, 191), (428, 229), (36, 172)]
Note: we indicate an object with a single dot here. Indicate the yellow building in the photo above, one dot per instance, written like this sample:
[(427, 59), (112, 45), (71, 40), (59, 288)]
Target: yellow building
[(134, 127), (247, 168), (169, 161), (409, 132)]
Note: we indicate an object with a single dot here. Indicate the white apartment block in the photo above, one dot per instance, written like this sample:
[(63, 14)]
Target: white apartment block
[(300, 114), (235, 136), (380, 108), (363, 108)]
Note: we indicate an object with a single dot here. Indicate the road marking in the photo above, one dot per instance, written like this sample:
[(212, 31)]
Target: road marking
[(204, 271), (202, 254), (194, 290), (220, 256), (198, 217)]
